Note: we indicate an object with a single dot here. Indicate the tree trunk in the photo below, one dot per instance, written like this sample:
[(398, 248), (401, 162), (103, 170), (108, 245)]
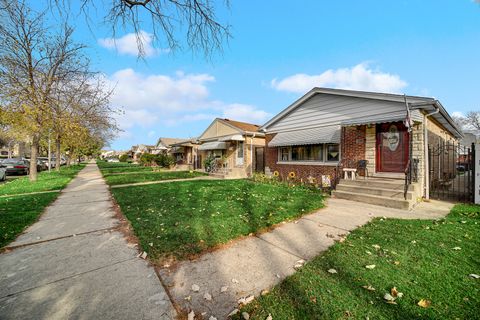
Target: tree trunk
[(33, 157), (57, 153)]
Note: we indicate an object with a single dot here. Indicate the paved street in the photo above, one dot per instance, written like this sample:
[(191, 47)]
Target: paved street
[(74, 263)]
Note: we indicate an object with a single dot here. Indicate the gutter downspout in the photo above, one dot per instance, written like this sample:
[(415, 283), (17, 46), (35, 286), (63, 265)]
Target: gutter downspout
[(425, 147), (251, 154)]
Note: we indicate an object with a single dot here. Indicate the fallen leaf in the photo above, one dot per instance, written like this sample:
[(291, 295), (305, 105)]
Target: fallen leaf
[(224, 289), (188, 298), (245, 315), (269, 317), (457, 248), (394, 292), (212, 318), (370, 266), (388, 297), (376, 246), (144, 255), (191, 315), (195, 288), (396, 263), (369, 288), (234, 312), (207, 296), (332, 271), (234, 280), (474, 276), (424, 303), (264, 292)]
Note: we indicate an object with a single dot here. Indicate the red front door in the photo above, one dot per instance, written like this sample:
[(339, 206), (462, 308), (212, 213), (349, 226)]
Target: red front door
[(392, 147)]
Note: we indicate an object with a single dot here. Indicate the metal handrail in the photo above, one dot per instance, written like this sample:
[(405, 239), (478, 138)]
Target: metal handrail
[(408, 178)]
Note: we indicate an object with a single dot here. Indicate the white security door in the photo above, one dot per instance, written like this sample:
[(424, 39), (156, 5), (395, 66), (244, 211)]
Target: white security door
[(239, 158)]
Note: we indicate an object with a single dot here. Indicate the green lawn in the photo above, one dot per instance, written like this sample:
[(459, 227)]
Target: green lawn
[(18, 212), (127, 169), (105, 164), (182, 218), (116, 179), (46, 181), (428, 260)]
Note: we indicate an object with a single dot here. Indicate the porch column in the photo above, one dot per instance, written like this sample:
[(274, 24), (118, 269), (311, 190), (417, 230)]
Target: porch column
[(370, 148)]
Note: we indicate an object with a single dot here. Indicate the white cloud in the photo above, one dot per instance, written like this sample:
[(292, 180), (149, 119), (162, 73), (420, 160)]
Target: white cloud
[(156, 100), (128, 44), (359, 77), (246, 113)]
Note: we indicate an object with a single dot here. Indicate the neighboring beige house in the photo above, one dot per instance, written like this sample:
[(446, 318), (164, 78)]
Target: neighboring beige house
[(235, 147), (186, 154)]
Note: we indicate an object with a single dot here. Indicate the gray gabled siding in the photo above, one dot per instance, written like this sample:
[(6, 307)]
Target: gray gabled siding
[(326, 110)]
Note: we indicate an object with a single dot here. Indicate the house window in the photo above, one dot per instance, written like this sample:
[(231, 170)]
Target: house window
[(240, 149), (284, 152), (313, 153), (333, 152)]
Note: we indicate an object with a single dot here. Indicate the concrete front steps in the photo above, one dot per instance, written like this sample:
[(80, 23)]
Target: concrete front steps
[(387, 192), (231, 173)]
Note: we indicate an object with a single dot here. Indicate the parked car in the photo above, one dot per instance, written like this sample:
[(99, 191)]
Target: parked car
[(3, 172), (16, 166), (41, 166), (113, 160)]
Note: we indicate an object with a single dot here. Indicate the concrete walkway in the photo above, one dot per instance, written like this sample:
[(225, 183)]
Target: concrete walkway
[(259, 262), (163, 181), (75, 264)]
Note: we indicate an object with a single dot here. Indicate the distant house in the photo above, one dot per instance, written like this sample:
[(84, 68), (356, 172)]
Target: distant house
[(235, 148), (164, 145), (136, 151), (329, 131)]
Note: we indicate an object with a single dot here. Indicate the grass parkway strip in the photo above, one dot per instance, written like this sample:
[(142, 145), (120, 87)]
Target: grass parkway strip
[(116, 179), (180, 219), (19, 210), (429, 262)]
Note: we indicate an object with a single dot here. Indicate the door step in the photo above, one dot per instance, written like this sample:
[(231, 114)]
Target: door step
[(374, 199)]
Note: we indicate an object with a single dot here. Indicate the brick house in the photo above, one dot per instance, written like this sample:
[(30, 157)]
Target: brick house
[(328, 130)]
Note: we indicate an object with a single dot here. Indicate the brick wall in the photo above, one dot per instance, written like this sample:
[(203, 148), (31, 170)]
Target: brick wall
[(302, 171), (353, 144)]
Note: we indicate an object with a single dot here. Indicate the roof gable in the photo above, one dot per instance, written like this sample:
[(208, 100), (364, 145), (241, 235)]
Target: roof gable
[(219, 128), (322, 106)]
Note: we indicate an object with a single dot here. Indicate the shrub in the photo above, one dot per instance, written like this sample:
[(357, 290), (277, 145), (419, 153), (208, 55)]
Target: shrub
[(208, 163), (148, 159), (123, 158)]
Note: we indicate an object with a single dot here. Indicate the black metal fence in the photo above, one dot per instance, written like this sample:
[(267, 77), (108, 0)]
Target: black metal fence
[(451, 171)]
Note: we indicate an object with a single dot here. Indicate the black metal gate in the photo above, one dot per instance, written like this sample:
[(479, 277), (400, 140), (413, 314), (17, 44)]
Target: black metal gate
[(451, 171)]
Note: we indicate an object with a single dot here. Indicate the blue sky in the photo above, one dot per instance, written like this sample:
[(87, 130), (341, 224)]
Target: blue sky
[(279, 50)]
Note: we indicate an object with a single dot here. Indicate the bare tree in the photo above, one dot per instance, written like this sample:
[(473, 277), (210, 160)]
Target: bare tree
[(174, 23), (80, 103), (472, 120), (33, 61)]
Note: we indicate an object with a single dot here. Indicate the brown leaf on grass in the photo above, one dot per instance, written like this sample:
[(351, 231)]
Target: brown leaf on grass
[(424, 303), (394, 292)]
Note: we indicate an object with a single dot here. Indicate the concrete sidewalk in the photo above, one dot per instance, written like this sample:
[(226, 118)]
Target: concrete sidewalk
[(74, 264), (256, 263)]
